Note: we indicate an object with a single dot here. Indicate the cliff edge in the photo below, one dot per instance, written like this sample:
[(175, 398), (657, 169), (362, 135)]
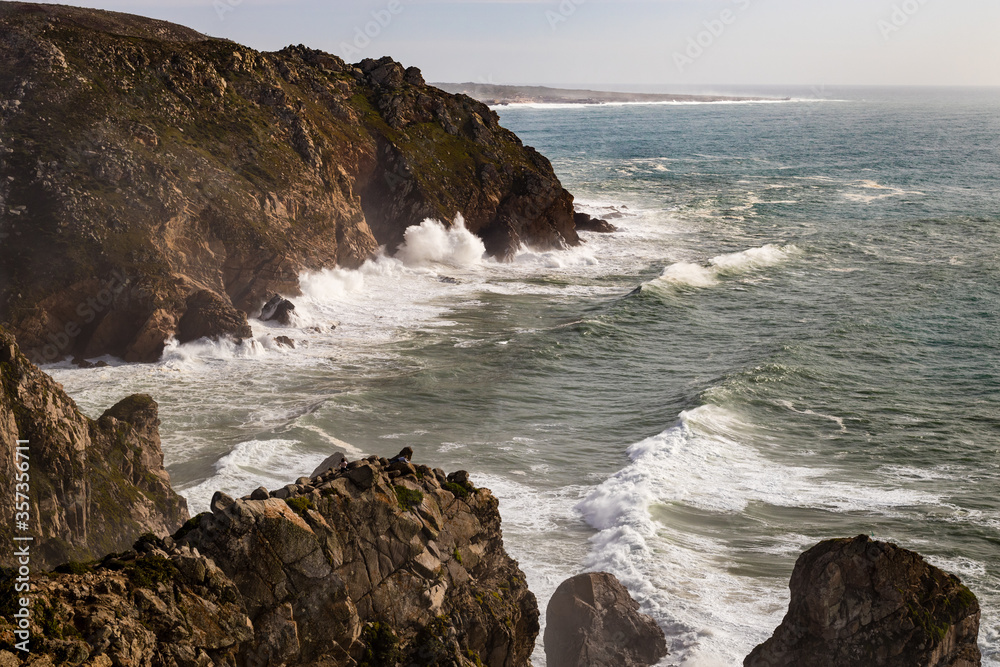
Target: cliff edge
[(151, 175), (95, 485)]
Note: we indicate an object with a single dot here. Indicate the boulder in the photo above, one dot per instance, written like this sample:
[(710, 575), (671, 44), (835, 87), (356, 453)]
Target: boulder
[(277, 309), (585, 223), (592, 620), (331, 462), (208, 315), (860, 602)]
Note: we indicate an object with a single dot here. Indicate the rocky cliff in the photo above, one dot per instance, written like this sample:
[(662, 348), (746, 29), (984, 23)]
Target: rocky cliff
[(95, 486), (858, 602), (378, 565), (151, 175)]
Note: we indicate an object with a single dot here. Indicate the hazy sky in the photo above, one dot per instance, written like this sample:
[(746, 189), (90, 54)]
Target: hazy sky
[(808, 42)]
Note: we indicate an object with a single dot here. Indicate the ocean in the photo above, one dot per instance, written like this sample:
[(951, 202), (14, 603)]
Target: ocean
[(793, 336)]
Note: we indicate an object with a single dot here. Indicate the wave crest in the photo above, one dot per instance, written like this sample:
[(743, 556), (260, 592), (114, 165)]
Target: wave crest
[(697, 275)]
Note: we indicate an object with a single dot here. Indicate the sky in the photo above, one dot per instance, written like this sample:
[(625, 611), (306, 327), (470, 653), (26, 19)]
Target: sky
[(653, 43)]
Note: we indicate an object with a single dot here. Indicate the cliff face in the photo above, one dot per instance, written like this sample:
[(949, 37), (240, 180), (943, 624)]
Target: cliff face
[(95, 486), (380, 565), (862, 602), (148, 172)]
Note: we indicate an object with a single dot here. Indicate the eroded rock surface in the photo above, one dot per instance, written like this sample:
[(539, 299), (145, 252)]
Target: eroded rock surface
[(859, 602)]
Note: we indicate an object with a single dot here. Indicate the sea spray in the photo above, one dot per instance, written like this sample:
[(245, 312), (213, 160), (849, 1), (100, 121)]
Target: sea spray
[(431, 243)]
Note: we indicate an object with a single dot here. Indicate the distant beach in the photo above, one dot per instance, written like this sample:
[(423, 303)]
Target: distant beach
[(500, 95)]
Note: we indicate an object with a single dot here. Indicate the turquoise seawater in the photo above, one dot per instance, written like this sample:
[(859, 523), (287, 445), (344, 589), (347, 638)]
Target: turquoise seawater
[(794, 336)]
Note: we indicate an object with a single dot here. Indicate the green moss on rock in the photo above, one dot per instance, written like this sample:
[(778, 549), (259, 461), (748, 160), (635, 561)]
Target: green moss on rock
[(381, 646), (408, 498), (300, 504), (457, 489), (150, 571)]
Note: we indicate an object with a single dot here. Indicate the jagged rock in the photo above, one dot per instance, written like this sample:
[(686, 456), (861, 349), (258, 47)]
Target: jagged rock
[(220, 502), (159, 606), (278, 309), (208, 315), (585, 223), (284, 341), (96, 486), (388, 575), (363, 475), (592, 620), (859, 602), (124, 218), (460, 477)]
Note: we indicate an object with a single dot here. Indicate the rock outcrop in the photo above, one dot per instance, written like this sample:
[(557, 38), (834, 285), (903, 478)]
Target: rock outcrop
[(379, 564), (859, 602), (592, 620), (585, 223), (145, 167), (95, 486), (389, 552)]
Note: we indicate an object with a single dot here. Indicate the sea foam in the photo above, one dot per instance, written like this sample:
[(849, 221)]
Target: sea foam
[(698, 275)]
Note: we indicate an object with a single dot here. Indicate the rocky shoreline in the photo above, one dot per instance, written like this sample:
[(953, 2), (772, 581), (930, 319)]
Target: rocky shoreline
[(156, 182), (376, 563)]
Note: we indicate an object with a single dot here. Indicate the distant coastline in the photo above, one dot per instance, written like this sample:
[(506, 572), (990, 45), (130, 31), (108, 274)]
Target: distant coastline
[(499, 95)]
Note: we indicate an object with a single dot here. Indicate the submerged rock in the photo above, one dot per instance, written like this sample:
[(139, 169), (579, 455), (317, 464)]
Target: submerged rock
[(859, 602), (208, 315), (592, 620), (585, 223), (96, 486)]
